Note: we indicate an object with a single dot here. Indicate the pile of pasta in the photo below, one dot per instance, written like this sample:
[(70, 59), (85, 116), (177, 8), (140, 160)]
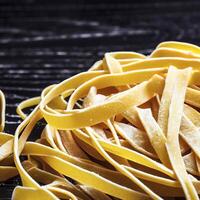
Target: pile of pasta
[(128, 128)]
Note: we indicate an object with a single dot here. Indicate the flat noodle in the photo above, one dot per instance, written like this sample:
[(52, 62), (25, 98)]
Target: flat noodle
[(155, 104), (163, 113), (192, 114), (2, 111), (155, 134), (135, 138), (7, 172), (190, 163), (179, 80), (71, 145), (170, 52), (132, 116), (191, 134), (194, 95), (198, 164), (95, 194), (128, 128), (186, 47)]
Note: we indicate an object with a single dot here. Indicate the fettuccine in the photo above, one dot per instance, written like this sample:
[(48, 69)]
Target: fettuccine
[(128, 128)]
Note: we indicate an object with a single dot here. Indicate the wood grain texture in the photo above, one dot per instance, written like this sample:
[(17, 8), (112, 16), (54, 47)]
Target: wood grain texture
[(42, 43)]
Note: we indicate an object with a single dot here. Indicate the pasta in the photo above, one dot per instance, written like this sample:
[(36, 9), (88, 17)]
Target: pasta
[(128, 128)]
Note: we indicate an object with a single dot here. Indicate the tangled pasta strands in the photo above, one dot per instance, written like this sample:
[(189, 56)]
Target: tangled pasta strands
[(128, 128)]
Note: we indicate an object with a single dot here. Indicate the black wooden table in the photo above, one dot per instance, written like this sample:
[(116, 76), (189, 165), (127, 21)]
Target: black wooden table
[(42, 43)]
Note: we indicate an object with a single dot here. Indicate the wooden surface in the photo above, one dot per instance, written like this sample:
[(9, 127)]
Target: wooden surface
[(42, 43)]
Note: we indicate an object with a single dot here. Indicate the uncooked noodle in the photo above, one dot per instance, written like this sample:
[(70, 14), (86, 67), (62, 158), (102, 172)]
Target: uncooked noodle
[(128, 128)]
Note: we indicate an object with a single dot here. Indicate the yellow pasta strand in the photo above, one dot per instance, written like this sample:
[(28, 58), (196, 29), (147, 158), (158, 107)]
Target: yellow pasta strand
[(2, 110), (175, 109), (155, 134)]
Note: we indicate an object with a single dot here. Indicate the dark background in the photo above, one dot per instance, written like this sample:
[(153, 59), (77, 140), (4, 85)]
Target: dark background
[(44, 42)]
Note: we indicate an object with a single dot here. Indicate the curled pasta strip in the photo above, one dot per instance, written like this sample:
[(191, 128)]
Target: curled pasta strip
[(128, 128)]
